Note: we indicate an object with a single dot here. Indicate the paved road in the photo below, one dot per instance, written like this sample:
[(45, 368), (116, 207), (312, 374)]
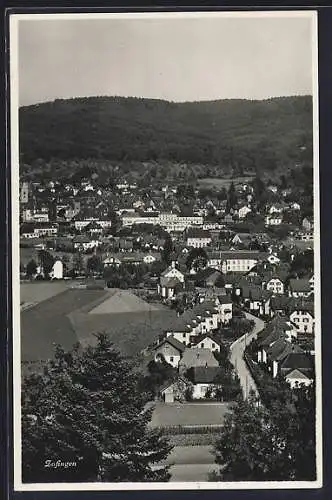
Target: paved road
[(237, 351)]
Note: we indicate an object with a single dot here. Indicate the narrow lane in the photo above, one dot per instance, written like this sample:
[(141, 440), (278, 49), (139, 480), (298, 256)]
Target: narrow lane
[(237, 350)]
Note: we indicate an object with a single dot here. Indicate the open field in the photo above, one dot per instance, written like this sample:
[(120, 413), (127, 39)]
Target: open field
[(130, 332), (219, 183), (123, 301), (37, 291), (47, 323), (186, 414), (66, 318)]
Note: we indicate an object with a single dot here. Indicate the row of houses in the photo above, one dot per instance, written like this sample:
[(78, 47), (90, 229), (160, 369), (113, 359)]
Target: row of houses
[(278, 349), (195, 328), (189, 346)]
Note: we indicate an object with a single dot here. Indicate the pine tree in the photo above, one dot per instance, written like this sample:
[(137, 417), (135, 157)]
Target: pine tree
[(167, 250), (86, 408), (231, 198)]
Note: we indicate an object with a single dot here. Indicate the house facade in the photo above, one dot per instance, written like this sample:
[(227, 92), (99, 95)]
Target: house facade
[(303, 319), (276, 286), (169, 350)]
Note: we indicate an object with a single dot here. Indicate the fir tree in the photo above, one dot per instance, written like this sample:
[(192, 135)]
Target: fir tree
[(167, 250), (86, 409), (231, 198)]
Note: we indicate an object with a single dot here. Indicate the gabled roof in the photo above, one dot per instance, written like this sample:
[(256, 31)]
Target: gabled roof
[(303, 305), (169, 282), (164, 273), (198, 357), (197, 339), (296, 373), (173, 381), (269, 275), (281, 348), (203, 375), (281, 302), (225, 299), (270, 338), (297, 360), (173, 342), (252, 292)]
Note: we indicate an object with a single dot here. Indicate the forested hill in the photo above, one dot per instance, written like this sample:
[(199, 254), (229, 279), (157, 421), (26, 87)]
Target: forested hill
[(230, 133)]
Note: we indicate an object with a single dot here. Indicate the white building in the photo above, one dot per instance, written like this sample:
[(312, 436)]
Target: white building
[(198, 238), (296, 378), (275, 285), (274, 219), (207, 342), (171, 222), (235, 260), (303, 318), (57, 270), (244, 211)]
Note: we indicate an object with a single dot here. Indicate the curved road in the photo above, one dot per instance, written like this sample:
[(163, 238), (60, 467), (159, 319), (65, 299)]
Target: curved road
[(236, 357)]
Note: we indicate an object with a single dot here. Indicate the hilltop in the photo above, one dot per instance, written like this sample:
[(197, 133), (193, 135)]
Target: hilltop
[(232, 135)]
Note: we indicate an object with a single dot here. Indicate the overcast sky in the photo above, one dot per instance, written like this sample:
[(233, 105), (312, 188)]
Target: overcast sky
[(178, 59)]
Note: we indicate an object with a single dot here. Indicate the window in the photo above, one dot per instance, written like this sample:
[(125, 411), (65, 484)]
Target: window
[(171, 359), (183, 335)]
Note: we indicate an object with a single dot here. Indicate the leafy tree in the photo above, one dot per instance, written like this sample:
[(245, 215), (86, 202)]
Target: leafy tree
[(303, 263), (185, 191), (240, 326), (157, 267), (86, 408), (259, 443), (46, 260), (31, 269), (197, 259)]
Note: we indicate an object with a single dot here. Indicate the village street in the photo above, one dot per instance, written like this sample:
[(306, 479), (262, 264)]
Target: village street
[(236, 357)]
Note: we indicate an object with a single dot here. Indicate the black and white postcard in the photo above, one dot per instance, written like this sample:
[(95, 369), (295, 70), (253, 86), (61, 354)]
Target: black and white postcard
[(165, 251)]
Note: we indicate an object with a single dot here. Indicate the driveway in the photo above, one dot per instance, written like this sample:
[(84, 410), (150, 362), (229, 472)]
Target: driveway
[(237, 350)]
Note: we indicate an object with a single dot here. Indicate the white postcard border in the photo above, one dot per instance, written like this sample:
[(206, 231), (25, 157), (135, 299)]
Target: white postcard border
[(14, 20)]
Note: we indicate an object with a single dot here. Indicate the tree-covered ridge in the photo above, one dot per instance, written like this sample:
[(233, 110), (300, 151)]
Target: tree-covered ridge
[(269, 134)]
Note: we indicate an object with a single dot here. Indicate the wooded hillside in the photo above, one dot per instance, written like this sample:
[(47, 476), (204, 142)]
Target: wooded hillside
[(234, 134)]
